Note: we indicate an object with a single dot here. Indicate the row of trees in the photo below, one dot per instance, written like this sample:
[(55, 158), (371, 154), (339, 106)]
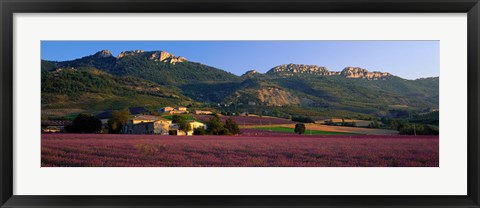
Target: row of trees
[(406, 127), (412, 126), (343, 123), (86, 123)]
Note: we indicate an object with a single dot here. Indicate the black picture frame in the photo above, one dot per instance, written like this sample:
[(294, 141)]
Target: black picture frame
[(9, 7)]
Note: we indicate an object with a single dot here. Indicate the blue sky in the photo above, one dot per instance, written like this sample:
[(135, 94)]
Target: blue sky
[(407, 59)]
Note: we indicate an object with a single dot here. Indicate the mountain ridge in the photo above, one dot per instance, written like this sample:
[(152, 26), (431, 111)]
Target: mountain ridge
[(348, 72), (284, 69), (169, 79)]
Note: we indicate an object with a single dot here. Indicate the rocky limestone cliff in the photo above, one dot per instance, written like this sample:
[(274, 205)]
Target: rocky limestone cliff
[(290, 69), (348, 72), (162, 56), (276, 97), (130, 53), (357, 72)]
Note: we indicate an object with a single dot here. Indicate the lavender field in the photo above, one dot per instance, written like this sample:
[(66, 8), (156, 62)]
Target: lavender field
[(275, 150)]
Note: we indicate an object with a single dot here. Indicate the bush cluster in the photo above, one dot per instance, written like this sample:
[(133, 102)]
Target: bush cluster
[(85, 123), (216, 127)]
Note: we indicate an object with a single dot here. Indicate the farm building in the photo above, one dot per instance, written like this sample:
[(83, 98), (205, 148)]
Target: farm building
[(177, 112), (147, 125), (171, 111), (140, 128), (166, 109), (181, 108), (202, 112), (196, 124), (145, 118), (55, 126)]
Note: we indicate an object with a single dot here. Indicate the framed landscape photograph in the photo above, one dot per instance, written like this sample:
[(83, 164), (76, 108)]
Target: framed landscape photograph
[(140, 108), (245, 104)]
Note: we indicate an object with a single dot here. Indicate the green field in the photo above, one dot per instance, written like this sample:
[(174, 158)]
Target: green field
[(307, 131)]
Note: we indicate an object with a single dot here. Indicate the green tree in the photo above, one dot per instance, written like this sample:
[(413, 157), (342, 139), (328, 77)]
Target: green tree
[(232, 127), (184, 125), (215, 126), (182, 122), (299, 128), (85, 123), (179, 118), (117, 120)]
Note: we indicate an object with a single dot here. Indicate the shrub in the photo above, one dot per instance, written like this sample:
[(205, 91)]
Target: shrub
[(216, 127), (299, 128), (172, 132), (199, 131)]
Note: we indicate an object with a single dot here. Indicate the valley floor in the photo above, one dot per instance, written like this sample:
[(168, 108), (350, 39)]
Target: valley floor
[(248, 150)]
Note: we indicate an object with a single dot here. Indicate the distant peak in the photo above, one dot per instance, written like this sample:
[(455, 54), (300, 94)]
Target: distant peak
[(250, 72), (104, 54), (161, 55), (290, 69)]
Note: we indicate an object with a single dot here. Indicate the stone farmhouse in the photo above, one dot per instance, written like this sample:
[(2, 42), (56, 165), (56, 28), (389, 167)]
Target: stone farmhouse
[(202, 112), (171, 111), (148, 124)]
